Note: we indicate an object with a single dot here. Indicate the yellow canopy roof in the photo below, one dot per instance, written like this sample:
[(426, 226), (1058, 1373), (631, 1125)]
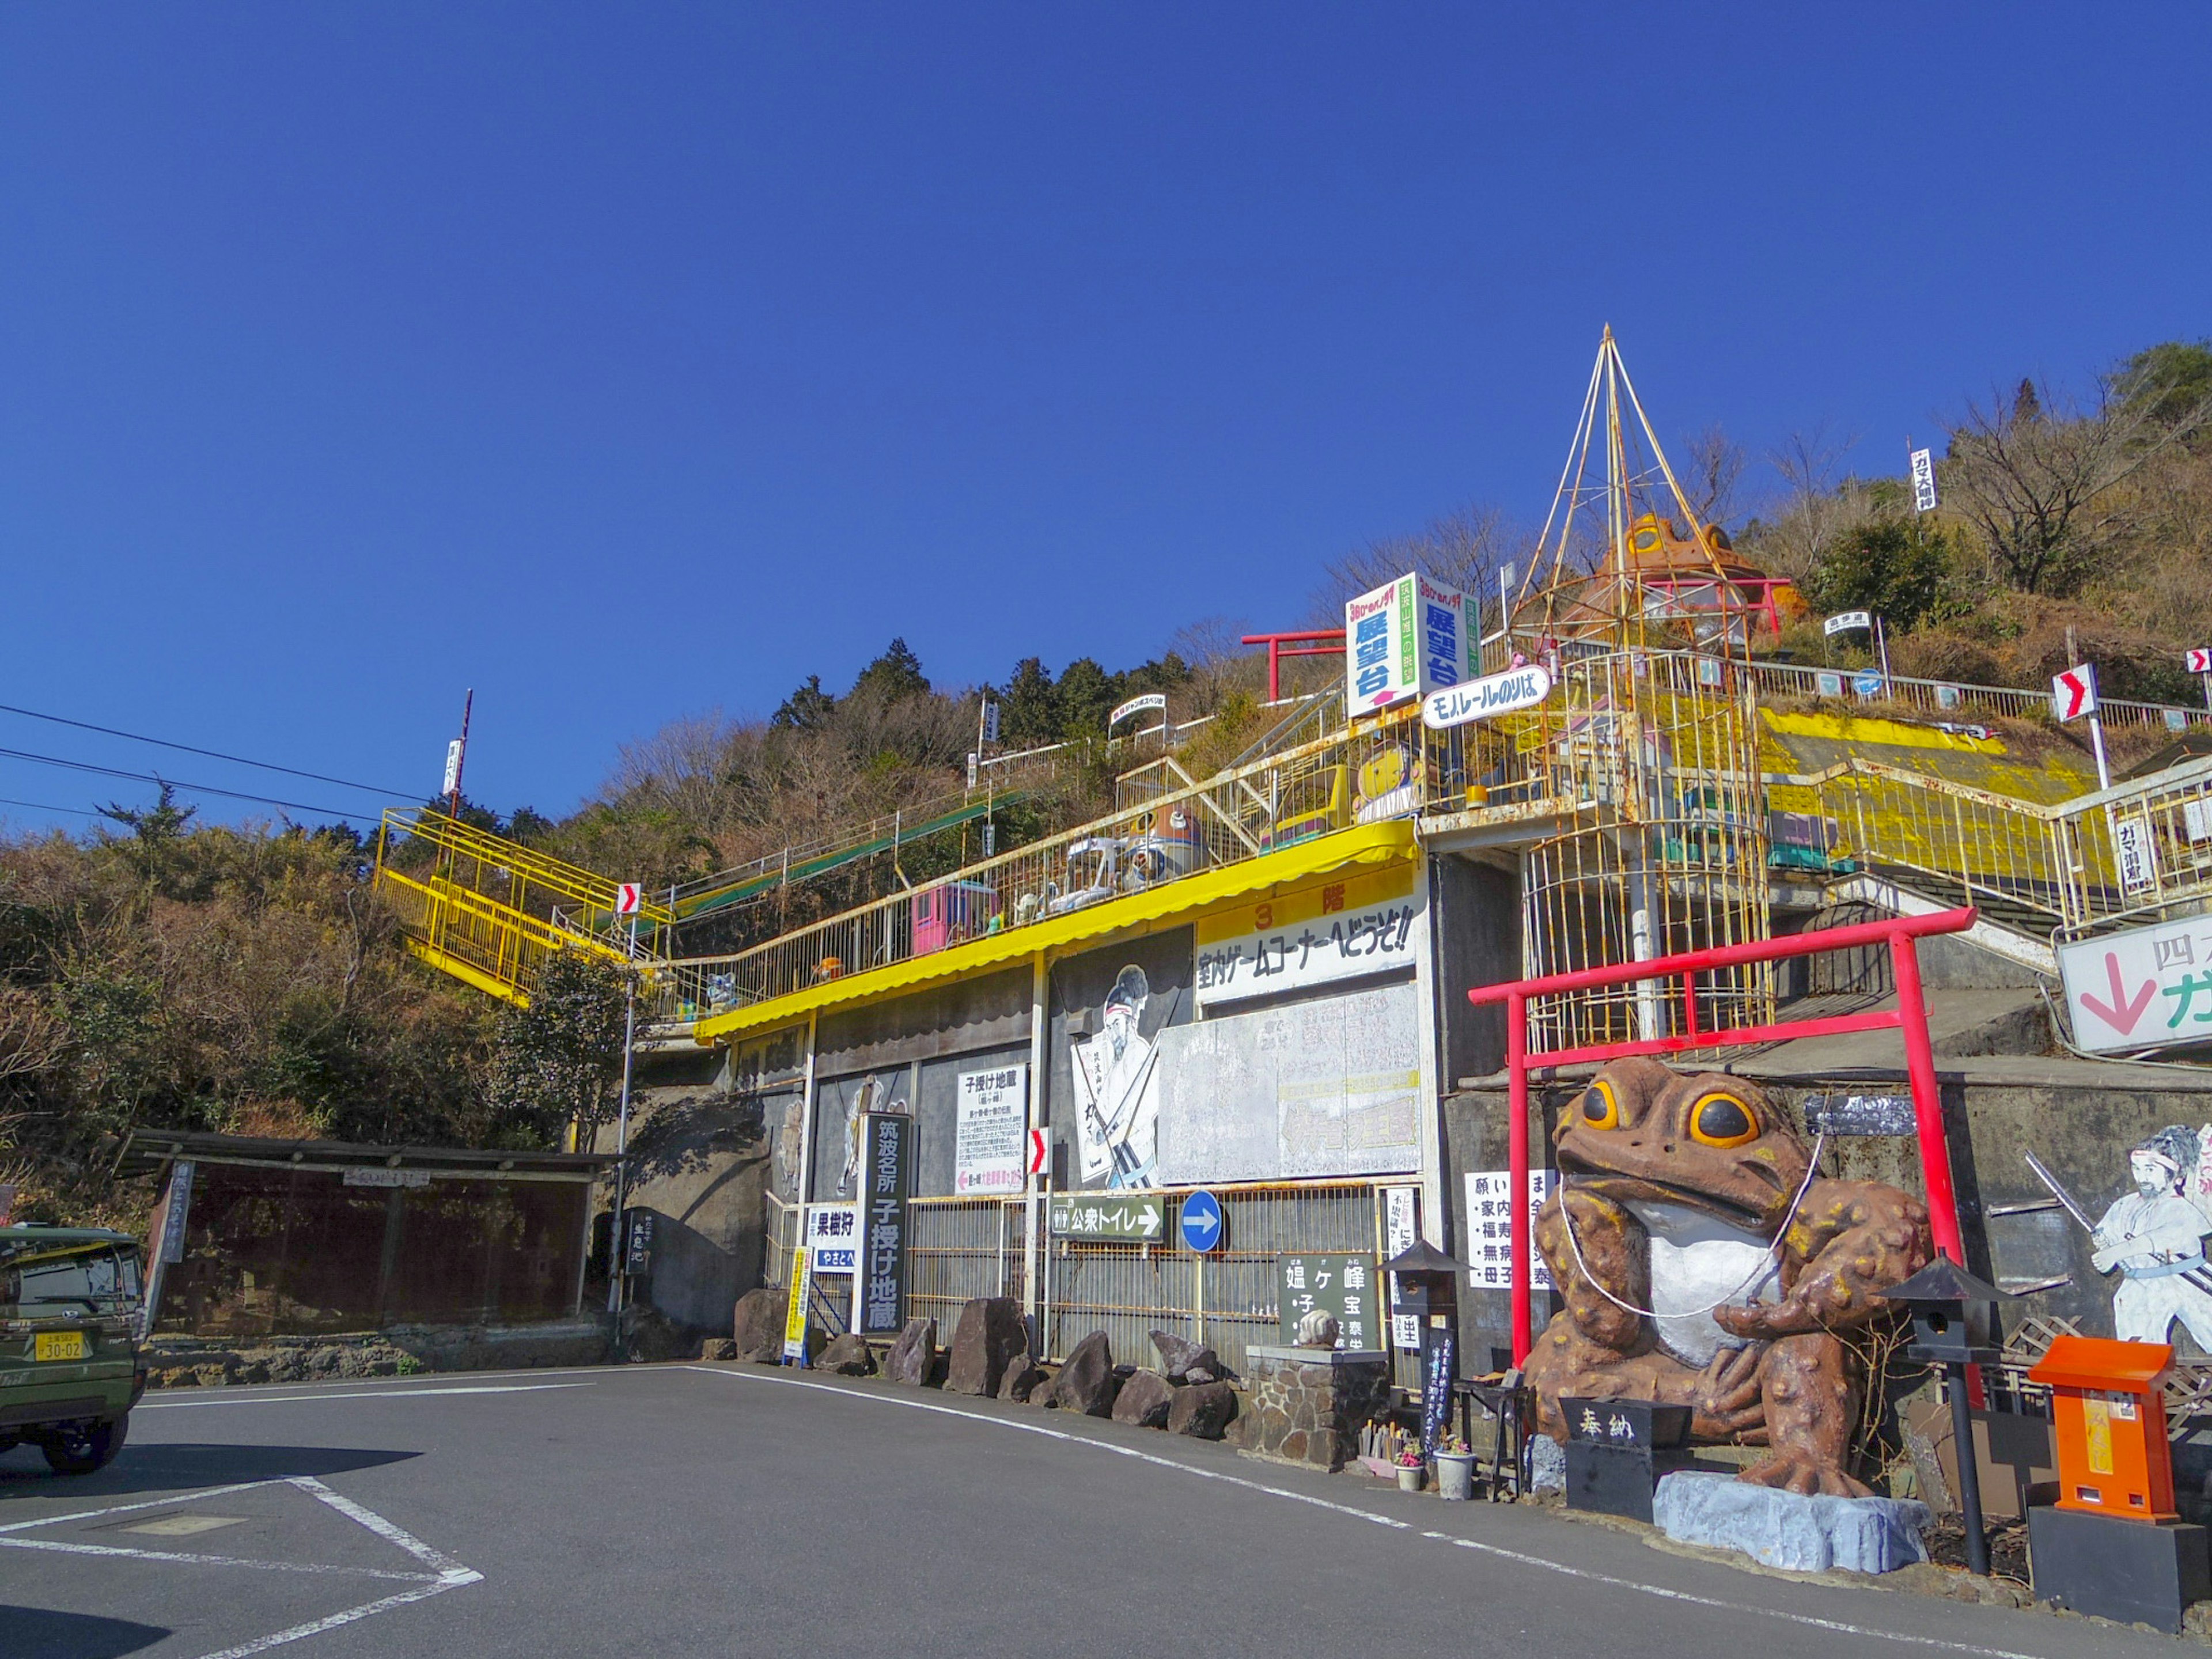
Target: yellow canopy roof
[(1369, 844)]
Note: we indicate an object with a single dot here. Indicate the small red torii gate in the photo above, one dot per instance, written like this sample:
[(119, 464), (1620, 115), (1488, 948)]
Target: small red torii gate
[(1899, 933)]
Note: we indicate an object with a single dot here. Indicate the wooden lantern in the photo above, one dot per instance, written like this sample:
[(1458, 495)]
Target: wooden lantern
[(2112, 1455)]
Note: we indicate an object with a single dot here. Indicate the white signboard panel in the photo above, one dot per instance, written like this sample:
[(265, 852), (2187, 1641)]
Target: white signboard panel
[(1844, 621), (833, 1237), (1330, 1086), (2132, 846), (1340, 930), (1489, 1228), (1404, 641), (2073, 693), (1485, 698), (1401, 1210), (1924, 481), (2148, 987), (989, 1136)]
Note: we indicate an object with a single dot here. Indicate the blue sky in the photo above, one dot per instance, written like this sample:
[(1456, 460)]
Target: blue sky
[(626, 363)]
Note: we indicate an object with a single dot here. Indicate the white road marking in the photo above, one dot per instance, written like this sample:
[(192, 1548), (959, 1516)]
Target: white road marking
[(355, 1394), (185, 1559), (147, 1504), (1516, 1556), (391, 1534), (316, 1628)]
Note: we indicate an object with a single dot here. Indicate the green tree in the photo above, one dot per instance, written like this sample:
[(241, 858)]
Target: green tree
[(897, 673), (1898, 567), (1029, 708), (558, 1060), (1086, 697), (806, 710), (2171, 382)]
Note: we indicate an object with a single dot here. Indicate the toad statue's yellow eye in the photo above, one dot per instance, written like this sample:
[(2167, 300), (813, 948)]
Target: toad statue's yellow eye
[(1600, 1109), (1721, 1121)]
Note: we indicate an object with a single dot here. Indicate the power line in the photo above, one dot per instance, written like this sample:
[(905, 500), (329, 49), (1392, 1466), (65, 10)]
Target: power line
[(47, 806), (211, 753), (178, 783)]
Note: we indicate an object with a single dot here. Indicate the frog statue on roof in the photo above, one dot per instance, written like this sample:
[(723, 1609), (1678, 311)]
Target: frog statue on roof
[(1705, 1262)]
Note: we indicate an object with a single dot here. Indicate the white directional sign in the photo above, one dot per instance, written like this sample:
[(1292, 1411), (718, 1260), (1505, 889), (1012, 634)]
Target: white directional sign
[(2073, 693), (2146, 987), (1483, 699), (452, 767), (629, 897), (1924, 481), (1844, 621), (2200, 659)]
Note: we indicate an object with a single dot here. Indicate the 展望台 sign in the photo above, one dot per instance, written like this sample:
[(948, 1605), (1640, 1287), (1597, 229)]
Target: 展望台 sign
[(1340, 1284), (1404, 641), (1486, 698), (886, 1161), (1340, 930), (987, 1130), (1120, 1217), (2144, 988)]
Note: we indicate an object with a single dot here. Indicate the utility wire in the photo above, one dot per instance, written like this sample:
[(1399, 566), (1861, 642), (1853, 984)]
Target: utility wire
[(178, 783), (211, 753), (47, 806)]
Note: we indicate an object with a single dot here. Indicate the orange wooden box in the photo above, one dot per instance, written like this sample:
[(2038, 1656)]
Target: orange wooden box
[(2110, 1417)]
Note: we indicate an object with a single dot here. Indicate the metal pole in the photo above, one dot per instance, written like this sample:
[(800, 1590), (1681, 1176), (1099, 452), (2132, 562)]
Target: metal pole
[(1926, 1104), (618, 1244), (2097, 742), (1881, 650), (453, 800), (1516, 1160), (1970, 1473)]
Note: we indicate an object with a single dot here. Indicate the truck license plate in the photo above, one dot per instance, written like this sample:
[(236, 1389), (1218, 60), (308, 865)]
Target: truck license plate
[(58, 1345)]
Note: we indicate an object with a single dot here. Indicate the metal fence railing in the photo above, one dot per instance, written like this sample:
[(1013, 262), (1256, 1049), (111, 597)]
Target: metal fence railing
[(962, 1248), (1954, 696)]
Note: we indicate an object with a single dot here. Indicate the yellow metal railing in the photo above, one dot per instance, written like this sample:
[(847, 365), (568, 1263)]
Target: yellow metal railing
[(490, 911), (2135, 849)]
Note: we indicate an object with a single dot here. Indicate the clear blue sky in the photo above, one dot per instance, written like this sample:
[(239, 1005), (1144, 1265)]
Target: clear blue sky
[(627, 361)]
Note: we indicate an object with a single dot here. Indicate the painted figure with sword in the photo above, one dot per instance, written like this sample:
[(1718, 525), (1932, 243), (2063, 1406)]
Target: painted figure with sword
[(1117, 1089), (2154, 1236)]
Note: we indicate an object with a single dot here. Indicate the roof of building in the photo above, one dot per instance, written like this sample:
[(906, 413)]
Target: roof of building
[(150, 1149)]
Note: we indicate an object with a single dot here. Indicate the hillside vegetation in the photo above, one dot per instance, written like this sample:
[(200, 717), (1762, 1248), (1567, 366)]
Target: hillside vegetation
[(161, 973)]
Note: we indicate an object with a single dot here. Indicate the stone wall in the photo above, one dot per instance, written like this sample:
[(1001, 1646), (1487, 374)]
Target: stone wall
[(1308, 1404), (401, 1350)]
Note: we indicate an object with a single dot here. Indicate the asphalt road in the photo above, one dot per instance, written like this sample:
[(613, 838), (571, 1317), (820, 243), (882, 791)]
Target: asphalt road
[(721, 1511)]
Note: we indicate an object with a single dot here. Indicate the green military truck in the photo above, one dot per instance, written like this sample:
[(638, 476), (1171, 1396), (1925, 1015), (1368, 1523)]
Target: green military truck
[(69, 1371)]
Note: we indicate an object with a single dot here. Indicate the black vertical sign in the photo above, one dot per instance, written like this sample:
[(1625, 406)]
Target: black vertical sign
[(886, 1158)]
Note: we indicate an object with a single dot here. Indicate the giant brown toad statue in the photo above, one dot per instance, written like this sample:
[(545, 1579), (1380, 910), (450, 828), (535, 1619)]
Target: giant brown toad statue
[(1709, 1265)]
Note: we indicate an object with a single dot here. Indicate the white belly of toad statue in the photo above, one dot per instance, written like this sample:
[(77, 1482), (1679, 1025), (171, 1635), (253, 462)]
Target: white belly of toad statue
[(1698, 1263)]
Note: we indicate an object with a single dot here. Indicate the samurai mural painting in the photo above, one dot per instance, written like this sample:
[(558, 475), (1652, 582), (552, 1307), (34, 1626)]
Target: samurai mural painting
[(2154, 1237), (1117, 1089)]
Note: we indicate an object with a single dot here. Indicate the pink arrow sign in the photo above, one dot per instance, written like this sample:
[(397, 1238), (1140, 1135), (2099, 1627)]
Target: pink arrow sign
[(2200, 660), (2073, 693), (2123, 1012)]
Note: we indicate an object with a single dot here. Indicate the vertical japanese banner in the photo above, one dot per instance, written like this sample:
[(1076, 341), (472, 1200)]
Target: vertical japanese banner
[(1402, 1214), (795, 1318), (886, 1160)]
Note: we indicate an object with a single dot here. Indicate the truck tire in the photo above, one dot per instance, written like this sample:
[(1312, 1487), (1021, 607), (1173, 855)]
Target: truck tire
[(84, 1448)]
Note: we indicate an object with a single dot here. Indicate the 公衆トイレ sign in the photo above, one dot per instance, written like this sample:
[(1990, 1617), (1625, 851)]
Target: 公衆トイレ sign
[(2146, 987), (1340, 930)]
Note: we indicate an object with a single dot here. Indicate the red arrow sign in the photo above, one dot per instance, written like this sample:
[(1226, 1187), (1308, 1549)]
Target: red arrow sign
[(2200, 660), (2073, 693), (2122, 1013), (1037, 1151)]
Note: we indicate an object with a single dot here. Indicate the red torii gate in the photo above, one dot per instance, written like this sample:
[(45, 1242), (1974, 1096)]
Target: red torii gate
[(1910, 1016)]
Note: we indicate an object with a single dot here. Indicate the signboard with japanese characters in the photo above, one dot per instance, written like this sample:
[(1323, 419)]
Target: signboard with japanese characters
[(1402, 1215), (2132, 851), (992, 1112), (1489, 1228), (1924, 481), (794, 1310), (1343, 929), (2144, 988), (1404, 641), (1118, 1218), (833, 1237), (1344, 1285), (886, 1155)]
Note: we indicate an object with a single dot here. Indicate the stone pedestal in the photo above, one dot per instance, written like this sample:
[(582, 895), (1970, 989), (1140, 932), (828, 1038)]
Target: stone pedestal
[(1308, 1403), (2136, 1572)]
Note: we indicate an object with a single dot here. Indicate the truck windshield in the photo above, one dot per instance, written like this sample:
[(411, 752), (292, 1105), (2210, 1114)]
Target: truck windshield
[(35, 1272)]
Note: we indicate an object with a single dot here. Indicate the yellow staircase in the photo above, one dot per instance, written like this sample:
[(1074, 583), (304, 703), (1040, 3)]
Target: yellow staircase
[(488, 911)]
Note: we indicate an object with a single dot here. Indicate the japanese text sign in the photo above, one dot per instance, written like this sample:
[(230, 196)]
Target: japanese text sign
[(2145, 987), (1404, 641), (1341, 930), (1490, 1229), (1118, 1216), (1345, 1285), (833, 1237), (886, 1158), (987, 1136)]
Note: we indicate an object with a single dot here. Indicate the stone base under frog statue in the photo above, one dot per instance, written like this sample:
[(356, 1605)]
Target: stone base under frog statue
[(1705, 1262)]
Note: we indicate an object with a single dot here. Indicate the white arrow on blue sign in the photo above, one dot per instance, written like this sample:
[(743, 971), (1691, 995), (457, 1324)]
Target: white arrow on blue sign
[(1200, 1222)]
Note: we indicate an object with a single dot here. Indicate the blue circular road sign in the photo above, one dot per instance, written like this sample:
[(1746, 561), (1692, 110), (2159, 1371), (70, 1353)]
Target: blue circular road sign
[(1202, 1226)]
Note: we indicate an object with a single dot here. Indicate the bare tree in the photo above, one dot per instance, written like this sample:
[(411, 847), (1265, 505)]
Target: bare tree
[(2037, 478), (1818, 502), (1463, 550), (1711, 474)]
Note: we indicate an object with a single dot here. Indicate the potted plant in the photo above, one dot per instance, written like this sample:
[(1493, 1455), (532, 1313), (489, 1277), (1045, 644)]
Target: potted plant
[(1411, 1471), (1455, 1469)]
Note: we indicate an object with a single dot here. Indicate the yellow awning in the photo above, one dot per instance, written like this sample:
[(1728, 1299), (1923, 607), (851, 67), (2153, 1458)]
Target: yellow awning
[(1368, 844)]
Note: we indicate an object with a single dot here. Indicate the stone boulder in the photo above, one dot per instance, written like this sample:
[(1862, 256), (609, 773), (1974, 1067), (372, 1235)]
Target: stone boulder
[(1022, 1380), (848, 1356), (1783, 1529), (1144, 1401), (759, 1325), (988, 1339), (1086, 1382), (1203, 1411), (1183, 1360), (718, 1347), (913, 1356)]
